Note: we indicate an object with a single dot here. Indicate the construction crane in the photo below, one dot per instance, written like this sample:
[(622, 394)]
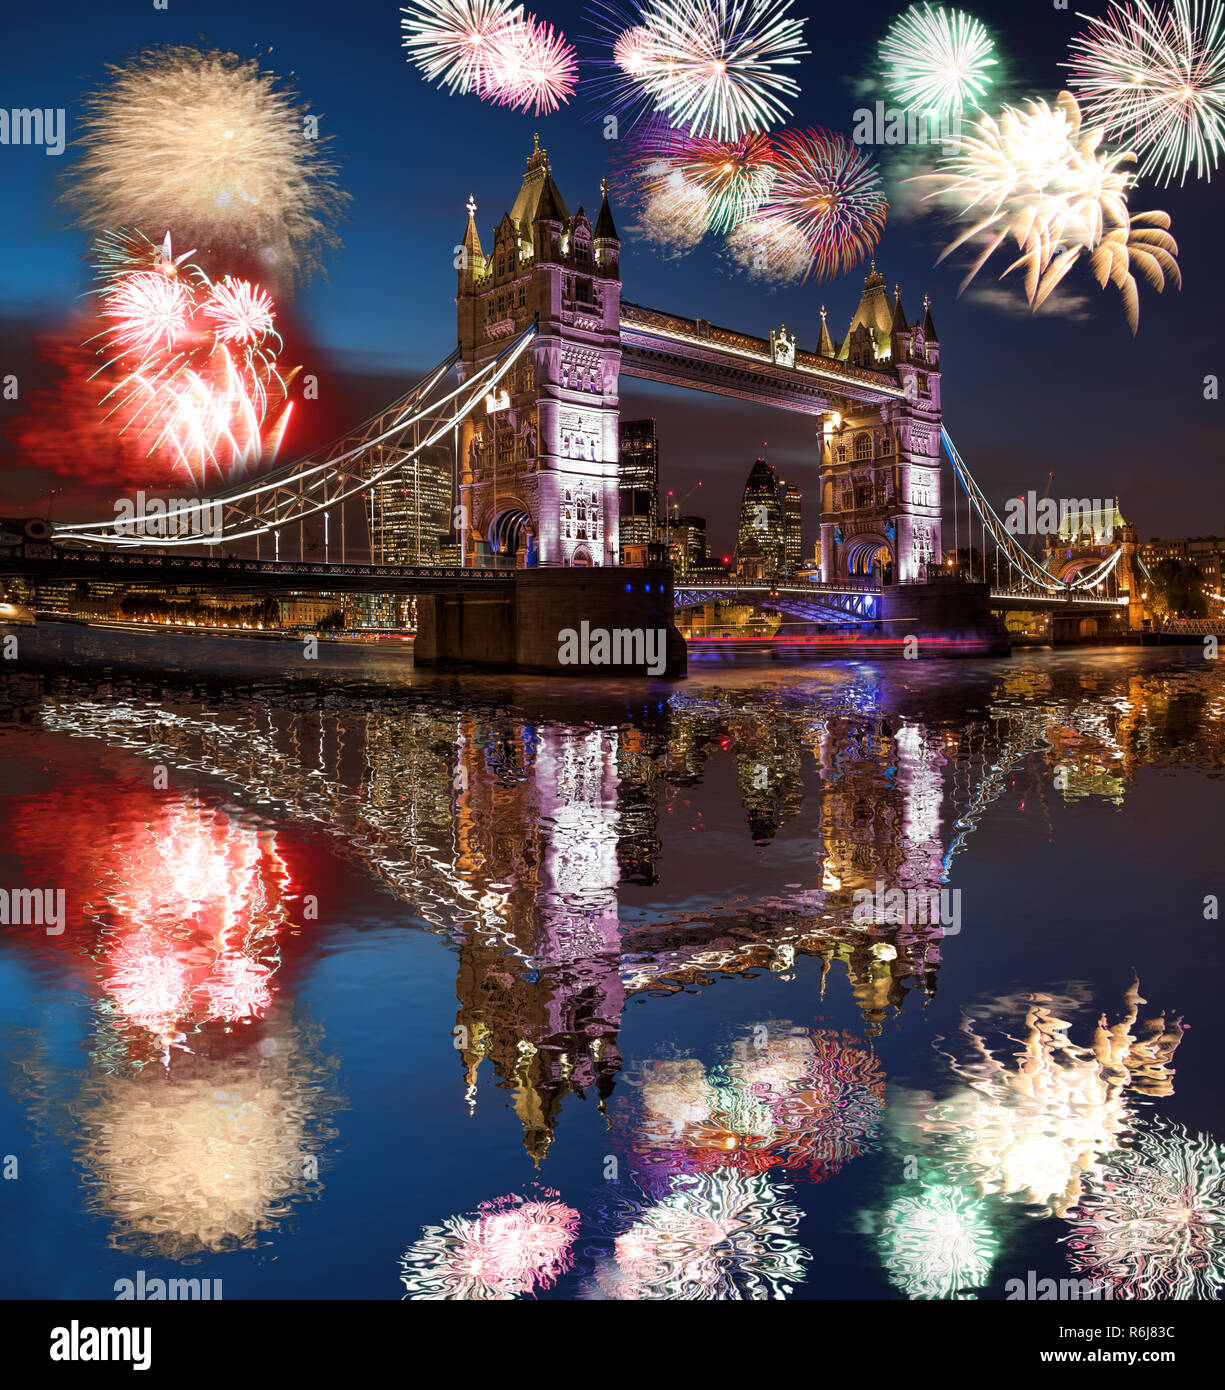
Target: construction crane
[(676, 506)]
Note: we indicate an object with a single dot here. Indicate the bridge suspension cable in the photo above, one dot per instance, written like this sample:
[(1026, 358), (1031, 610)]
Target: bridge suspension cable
[(392, 439), (1017, 556)]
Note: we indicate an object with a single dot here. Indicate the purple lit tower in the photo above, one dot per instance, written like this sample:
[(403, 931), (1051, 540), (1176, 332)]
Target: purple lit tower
[(880, 463), (538, 474)]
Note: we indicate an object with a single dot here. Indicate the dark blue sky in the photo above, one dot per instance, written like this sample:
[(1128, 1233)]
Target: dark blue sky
[(1072, 392)]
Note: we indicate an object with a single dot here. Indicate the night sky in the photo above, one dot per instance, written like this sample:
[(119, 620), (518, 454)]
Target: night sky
[(1067, 390)]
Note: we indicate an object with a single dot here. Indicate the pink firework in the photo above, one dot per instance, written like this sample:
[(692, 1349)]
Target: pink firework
[(533, 68), (513, 1247), (828, 190), (455, 42)]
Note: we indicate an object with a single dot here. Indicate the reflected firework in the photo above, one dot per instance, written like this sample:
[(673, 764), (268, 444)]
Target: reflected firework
[(1034, 1129), (715, 1236), (806, 1103), (212, 1157), (511, 1247), (939, 1244), (1152, 1220), (211, 145)]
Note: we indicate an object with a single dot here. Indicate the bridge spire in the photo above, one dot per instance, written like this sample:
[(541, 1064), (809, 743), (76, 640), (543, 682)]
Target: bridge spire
[(825, 344)]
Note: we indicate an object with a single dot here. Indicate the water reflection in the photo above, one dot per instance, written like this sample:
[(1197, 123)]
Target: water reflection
[(716, 1235), (580, 853), (514, 1246), (1033, 1126)]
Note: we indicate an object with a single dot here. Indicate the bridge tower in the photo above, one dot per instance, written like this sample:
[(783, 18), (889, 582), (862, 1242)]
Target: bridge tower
[(880, 466), (538, 470)]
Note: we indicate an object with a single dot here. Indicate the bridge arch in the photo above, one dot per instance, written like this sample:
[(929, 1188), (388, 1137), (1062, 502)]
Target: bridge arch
[(866, 554), (512, 529)]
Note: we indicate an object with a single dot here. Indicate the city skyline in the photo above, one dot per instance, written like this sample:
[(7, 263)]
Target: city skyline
[(1073, 366)]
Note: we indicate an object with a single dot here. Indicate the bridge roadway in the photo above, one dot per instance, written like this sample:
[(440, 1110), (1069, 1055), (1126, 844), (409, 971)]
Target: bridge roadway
[(851, 600), (229, 572)]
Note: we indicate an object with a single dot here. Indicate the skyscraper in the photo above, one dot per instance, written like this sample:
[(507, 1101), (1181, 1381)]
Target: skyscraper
[(410, 512), (639, 489), (760, 536), (790, 496)]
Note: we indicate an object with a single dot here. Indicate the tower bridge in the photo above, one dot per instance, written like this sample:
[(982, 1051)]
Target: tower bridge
[(528, 405)]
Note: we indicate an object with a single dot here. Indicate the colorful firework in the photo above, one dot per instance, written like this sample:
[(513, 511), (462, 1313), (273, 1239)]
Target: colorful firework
[(533, 68), (1152, 1221), (733, 176), (713, 67), (207, 143), (939, 1244), (937, 60), (803, 1102), (509, 1248), (1037, 177), (455, 42), (716, 1236), (828, 191), (191, 364), (1156, 79)]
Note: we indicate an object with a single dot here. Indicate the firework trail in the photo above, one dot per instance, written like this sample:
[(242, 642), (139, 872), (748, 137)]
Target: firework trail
[(1155, 78), (533, 69), (1036, 177), (207, 143), (827, 190), (937, 60)]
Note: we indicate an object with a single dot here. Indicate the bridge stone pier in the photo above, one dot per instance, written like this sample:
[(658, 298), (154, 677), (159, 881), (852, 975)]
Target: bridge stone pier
[(595, 622)]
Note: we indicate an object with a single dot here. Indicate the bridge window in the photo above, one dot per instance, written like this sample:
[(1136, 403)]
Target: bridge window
[(841, 453), (522, 296), (863, 446), (501, 265)]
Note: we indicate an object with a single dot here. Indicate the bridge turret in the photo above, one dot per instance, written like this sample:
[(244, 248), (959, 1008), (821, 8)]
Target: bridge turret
[(540, 477)]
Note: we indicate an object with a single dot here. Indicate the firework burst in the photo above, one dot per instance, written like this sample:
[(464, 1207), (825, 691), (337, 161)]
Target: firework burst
[(713, 67), (1156, 79), (829, 192), (1036, 177), (937, 60), (455, 42), (770, 248), (533, 68), (734, 177), (206, 142), (193, 363)]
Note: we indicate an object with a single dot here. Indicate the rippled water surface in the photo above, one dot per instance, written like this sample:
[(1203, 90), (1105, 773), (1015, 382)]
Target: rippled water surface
[(377, 984)]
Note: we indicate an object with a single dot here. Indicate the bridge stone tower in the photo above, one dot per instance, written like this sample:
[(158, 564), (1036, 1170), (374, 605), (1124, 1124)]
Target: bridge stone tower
[(880, 465), (538, 471)]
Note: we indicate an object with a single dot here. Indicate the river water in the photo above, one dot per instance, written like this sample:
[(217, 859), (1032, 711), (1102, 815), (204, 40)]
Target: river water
[(378, 984)]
